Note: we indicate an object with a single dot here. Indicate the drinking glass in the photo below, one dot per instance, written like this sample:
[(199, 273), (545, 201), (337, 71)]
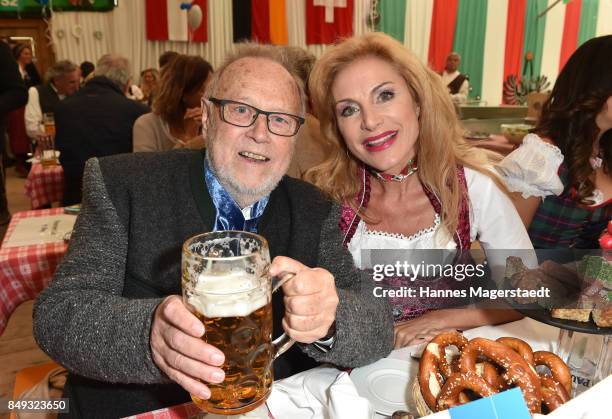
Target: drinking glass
[(46, 141), (225, 283)]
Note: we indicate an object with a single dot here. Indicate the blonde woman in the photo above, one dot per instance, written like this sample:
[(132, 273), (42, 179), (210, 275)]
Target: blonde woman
[(402, 170)]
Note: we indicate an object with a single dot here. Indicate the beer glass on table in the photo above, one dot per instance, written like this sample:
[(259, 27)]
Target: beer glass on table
[(225, 283), (46, 142)]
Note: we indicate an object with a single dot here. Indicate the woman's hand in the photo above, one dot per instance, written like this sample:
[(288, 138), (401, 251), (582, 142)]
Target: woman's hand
[(417, 331), (194, 113), (432, 323)]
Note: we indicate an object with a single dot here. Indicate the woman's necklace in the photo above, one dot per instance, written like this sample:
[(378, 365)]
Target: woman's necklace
[(410, 169)]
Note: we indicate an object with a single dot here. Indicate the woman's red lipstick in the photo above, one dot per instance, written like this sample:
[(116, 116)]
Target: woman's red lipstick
[(381, 141)]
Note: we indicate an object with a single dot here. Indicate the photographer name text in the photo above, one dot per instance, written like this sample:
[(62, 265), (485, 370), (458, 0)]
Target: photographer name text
[(477, 292)]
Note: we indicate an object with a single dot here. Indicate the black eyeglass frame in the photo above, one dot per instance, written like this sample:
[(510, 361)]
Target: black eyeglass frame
[(222, 102)]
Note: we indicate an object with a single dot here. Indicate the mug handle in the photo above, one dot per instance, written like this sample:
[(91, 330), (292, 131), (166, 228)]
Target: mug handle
[(282, 343)]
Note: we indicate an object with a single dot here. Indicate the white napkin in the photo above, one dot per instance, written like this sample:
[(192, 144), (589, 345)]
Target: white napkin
[(592, 404), (318, 393)]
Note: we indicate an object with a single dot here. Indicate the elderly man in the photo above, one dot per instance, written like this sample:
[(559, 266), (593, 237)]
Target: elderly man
[(64, 78), (111, 314), (458, 84), (96, 122)]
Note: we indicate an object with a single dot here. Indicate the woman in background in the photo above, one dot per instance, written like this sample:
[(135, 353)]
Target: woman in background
[(406, 177), (177, 113), (561, 175), (16, 130), (149, 80), (25, 60)]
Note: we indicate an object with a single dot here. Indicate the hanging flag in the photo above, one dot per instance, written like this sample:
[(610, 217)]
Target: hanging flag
[(328, 20), (166, 20), (533, 39), (571, 27), (443, 22), (278, 22), (588, 20), (469, 40), (392, 18), (241, 20), (263, 21), (515, 34)]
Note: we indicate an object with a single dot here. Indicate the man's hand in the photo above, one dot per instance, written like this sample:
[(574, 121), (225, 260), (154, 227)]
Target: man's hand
[(310, 300), (178, 350)]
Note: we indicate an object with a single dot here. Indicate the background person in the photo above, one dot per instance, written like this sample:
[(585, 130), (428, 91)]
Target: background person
[(63, 80), (458, 84), (16, 125), (13, 95), (176, 118), (95, 122), (149, 80), (561, 175), (310, 149), (87, 71)]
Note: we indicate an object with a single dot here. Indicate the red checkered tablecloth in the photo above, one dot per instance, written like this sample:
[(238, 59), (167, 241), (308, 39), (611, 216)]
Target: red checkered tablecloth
[(45, 185), (181, 411), (26, 270)]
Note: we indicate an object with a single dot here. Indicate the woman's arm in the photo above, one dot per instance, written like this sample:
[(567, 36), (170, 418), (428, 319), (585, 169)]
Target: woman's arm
[(526, 207), (144, 135), (432, 323)]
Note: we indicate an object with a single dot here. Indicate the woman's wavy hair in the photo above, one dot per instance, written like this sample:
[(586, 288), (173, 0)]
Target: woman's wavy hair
[(568, 116), (182, 76), (440, 146)]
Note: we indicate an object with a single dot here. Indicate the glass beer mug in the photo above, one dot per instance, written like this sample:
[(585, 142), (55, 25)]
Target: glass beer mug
[(226, 284)]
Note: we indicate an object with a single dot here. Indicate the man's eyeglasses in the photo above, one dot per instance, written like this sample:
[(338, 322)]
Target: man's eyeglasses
[(242, 115)]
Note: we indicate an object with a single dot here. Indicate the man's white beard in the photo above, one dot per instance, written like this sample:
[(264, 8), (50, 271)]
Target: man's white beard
[(243, 195)]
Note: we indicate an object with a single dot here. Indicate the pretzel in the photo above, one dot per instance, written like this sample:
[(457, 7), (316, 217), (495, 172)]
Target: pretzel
[(454, 386), (485, 367), (488, 371), (519, 346), (557, 367), (434, 367), (517, 371), (553, 393)]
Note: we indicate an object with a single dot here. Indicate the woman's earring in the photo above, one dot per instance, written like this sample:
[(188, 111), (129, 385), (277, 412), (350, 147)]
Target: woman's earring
[(418, 111)]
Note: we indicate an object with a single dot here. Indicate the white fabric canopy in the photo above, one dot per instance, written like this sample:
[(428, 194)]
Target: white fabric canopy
[(123, 32)]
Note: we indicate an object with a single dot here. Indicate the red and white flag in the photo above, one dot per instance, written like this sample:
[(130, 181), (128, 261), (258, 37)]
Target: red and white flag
[(167, 21), (328, 20)]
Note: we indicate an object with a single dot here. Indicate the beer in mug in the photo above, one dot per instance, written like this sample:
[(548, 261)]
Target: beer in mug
[(226, 285)]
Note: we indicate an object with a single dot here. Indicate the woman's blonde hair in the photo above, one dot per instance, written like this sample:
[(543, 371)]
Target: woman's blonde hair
[(440, 146)]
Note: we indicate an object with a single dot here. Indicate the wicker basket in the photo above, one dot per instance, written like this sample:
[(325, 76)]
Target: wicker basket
[(419, 401)]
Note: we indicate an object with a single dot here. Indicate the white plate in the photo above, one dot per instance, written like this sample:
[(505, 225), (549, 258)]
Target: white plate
[(386, 384)]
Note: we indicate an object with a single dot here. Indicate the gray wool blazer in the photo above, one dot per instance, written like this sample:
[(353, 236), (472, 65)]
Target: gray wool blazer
[(124, 258)]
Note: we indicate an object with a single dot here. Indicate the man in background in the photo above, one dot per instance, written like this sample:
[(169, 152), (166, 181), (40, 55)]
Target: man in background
[(457, 83), (96, 122), (63, 80), (13, 95)]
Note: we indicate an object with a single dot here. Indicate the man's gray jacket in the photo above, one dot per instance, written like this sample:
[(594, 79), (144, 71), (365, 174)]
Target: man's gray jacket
[(124, 258)]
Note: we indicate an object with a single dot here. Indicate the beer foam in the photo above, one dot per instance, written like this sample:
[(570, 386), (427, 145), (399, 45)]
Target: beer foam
[(235, 295)]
